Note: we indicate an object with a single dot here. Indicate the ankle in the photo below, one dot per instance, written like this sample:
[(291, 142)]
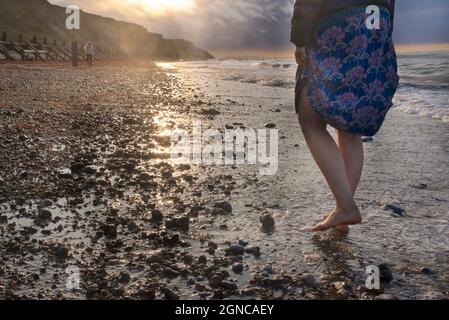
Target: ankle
[(348, 206)]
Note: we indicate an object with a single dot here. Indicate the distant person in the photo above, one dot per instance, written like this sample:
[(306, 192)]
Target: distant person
[(74, 53), (90, 53), (347, 78)]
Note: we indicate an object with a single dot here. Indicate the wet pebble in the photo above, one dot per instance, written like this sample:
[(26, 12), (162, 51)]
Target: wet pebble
[(157, 216), (237, 268), (228, 285), (109, 231), (45, 203), (124, 277), (426, 271), (202, 259), (394, 209), (236, 250), (3, 219), (77, 167), (90, 170), (215, 281), (181, 223), (309, 280), (170, 294), (44, 214), (145, 176), (61, 252)]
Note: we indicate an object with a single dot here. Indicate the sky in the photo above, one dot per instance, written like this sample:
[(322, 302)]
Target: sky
[(255, 24)]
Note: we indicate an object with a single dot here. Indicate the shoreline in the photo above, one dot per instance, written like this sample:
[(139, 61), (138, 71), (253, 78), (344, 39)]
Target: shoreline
[(85, 183)]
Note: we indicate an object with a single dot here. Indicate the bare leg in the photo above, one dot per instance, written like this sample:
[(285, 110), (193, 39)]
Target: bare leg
[(351, 149), (327, 156)]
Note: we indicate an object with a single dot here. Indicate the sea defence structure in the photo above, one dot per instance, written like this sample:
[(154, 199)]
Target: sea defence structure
[(19, 49)]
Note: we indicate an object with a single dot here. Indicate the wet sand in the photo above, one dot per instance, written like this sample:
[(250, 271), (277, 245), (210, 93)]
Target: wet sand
[(85, 183)]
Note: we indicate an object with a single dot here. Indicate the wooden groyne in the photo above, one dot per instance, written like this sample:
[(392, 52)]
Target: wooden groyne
[(19, 49)]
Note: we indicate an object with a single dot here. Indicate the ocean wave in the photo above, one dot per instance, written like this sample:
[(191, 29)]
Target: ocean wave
[(264, 81), (423, 102), (425, 112), (430, 86)]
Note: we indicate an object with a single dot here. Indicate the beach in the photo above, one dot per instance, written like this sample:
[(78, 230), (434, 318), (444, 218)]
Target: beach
[(87, 190)]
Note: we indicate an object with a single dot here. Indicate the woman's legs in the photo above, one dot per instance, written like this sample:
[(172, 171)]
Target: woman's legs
[(330, 161)]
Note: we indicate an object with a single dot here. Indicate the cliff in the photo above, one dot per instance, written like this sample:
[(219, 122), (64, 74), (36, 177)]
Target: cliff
[(41, 19)]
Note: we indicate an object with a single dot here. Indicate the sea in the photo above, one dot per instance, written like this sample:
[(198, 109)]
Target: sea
[(424, 86)]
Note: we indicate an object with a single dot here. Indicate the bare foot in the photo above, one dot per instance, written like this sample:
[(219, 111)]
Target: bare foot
[(338, 218), (343, 228)]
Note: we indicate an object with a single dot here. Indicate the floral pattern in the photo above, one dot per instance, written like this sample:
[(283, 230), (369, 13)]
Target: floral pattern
[(352, 74)]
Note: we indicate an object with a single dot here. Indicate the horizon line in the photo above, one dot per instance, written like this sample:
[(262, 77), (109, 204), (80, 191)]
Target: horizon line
[(288, 52)]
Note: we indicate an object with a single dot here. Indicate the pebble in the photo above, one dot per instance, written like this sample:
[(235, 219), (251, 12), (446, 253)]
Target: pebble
[(223, 208), (237, 268), (109, 231), (426, 271), (253, 250), (77, 167), (395, 209), (421, 186), (90, 170), (267, 221), (145, 176), (270, 125), (155, 258), (157, 216), (61, 252), (236, 250), (212, 245), (228, 285), (243, 243), (170, 294), (45, 203), (309, 280), (44, 214), (215, 281), (124, 277), (202, 259), (181, 223)]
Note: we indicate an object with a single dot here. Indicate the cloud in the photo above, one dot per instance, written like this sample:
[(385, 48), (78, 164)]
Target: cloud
[(258, 24)]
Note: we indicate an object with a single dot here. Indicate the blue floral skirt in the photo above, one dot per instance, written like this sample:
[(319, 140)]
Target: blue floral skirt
[(351, 73)]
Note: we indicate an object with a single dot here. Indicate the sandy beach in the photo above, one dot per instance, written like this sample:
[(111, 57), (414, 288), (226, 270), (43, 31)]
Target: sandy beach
[(85, 182)]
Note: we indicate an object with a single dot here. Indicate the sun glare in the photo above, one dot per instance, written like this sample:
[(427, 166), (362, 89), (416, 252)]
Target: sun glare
[(162, 6)]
